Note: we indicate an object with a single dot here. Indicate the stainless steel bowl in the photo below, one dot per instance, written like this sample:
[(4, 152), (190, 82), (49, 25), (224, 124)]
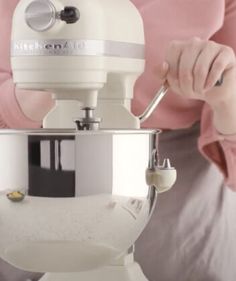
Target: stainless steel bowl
[(86, 197)]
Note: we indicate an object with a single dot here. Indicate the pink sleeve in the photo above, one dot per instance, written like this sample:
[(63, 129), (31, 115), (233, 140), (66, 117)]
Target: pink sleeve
[(214, 146), (11, 115), (218, 148)]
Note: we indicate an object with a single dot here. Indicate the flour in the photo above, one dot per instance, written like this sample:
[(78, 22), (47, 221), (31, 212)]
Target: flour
[(80, 229)]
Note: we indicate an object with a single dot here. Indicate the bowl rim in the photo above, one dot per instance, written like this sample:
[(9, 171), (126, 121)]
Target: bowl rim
[(74, 132)]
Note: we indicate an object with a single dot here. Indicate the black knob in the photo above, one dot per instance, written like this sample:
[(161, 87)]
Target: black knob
[(70, 15)]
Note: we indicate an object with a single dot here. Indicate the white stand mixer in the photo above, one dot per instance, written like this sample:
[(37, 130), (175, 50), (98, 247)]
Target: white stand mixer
[(89, 53)]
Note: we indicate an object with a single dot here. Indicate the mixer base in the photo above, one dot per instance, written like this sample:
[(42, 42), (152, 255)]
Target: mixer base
[(130, 272)]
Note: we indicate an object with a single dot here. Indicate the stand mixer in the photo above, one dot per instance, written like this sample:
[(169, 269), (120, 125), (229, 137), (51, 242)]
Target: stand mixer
[(76, 194)]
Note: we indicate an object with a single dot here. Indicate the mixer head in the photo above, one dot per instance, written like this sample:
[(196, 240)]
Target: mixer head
[(89, 52)]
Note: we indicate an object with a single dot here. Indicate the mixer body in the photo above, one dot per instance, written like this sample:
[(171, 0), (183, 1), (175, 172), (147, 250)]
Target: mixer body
[(103, 52)]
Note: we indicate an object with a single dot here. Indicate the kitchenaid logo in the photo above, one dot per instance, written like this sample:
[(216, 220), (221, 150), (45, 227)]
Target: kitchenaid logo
[(77, 48), (55, 46)]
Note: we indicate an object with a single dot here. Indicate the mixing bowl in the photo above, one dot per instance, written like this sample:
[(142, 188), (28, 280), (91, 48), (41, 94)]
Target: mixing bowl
[(84, 201)]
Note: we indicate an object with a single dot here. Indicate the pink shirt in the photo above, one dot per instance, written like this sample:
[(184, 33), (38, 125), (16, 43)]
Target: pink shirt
[(164, 20)]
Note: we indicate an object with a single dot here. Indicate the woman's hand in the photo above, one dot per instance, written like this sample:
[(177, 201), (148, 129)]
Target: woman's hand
[(192, 69)]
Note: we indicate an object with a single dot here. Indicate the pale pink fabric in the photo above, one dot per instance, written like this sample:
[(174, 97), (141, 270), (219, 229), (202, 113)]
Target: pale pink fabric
[(164, 21)]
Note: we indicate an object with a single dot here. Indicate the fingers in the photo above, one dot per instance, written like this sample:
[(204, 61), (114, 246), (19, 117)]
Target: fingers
[(189, 58), (164, 71), (203, 66), (173, 56), (195, 65), (223, 62)]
